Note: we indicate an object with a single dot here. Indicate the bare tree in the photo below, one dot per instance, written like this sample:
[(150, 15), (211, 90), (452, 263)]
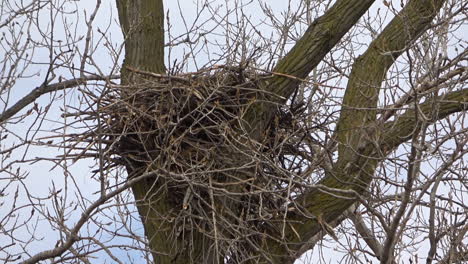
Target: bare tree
[(240, 132)]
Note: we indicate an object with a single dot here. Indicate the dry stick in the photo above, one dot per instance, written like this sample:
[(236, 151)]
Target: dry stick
[(296, 78), (426, 86), (44, 88), (310, 244), (73, 235), (213, 215), (454, 255), (366, 233), (414, 161), (88, 37), (160, 76)]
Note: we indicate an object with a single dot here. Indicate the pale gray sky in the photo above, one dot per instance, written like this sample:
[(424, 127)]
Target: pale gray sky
[(40, 178)]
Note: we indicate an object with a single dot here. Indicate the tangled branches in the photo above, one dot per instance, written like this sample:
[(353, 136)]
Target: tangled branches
[(190, 129)]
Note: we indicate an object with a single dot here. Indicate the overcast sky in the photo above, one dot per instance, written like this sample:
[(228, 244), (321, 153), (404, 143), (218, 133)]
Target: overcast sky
[(40, 175)]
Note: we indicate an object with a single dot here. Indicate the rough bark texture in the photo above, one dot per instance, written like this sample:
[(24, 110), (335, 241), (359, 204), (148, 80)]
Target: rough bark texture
[(306, 54), (357, 130), (142, 24)]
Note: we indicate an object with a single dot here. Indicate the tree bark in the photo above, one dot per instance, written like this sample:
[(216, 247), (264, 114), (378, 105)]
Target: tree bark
[(142, 23), (362, 141), (358, 134), (320, 37)]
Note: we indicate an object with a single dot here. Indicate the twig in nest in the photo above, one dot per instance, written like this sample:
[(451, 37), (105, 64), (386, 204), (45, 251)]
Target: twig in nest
[(161, 76)]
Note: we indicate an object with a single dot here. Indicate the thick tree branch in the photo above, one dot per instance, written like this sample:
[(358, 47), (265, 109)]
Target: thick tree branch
[(356, 129), (356, 124), (47, 88), (399, 131), (319, 236), (425, 87), (318, 40)]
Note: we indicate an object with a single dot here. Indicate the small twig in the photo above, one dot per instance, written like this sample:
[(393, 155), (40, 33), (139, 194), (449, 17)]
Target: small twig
[(73, 235), (47, 88), (160, 76)]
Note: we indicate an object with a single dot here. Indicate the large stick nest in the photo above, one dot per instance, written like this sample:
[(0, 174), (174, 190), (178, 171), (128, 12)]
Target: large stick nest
[(191, 127)]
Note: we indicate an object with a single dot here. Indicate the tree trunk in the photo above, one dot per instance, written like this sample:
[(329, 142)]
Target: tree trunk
[(142, 24), (362, 141)]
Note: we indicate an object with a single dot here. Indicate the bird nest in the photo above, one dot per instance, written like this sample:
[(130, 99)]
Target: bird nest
[(190, 129), (181, 120)]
